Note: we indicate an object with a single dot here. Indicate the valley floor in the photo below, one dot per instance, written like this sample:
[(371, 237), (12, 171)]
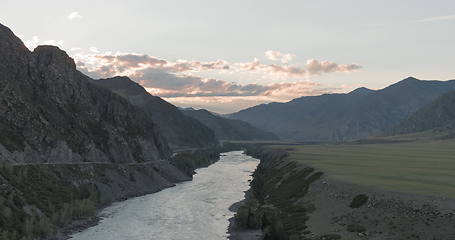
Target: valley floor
[(420, 167), (410, 187), (385, 216), (367, 191)]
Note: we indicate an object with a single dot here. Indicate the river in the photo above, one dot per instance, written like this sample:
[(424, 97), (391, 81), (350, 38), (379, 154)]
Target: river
[(197, 209)]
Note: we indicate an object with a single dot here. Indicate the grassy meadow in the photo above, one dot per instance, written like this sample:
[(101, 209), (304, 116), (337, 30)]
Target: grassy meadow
[(422, 167)]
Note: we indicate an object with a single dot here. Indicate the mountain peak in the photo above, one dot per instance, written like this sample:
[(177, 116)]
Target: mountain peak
[(122, 83), (410, 79), (47, 55), (7, 35), (361, 90), (119, 81), (407, 82), (10, 45)]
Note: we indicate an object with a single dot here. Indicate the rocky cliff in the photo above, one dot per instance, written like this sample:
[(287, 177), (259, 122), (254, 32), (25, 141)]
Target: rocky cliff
[(50, 112), (69, 146), (179, 130)]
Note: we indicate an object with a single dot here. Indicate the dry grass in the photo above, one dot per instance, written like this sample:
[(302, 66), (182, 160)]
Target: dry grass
[(425, 167)]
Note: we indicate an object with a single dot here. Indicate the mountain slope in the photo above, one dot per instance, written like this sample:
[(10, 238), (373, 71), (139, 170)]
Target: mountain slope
[(340, 117), (179, 130), (50, 112), (229, 129), (438, 116)]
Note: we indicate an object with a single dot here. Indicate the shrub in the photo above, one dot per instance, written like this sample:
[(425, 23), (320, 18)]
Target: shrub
[(359, 201), (356, 228)]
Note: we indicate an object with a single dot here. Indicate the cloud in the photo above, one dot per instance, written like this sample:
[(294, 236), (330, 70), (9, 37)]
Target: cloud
[(318, 67), (94, 50), (170, 85), (181, 79), (438, 18), (278, 56), (229, 104), (278, 93), (196, 66), (154, 75), (73, 15), (35, 41), (219, 104), (54, 42), (132, 60), (167, 84), (312, 67), (32, 43)]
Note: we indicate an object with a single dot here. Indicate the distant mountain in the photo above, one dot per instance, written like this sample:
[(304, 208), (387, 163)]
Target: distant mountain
[(340, 117), (50, 112), (438, 116), (229, 129), (178, 129)]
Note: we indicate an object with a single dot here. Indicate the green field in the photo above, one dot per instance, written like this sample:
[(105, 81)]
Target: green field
[(416, 167)]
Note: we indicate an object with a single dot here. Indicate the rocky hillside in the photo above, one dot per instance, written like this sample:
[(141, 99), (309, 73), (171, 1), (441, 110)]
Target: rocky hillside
[(42, 200), (437, 116), (50, 112), (229, 129), (340, 117), (179, 130), (69, 147)]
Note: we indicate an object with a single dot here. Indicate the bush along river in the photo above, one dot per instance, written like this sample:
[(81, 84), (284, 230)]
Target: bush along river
[(197, 209)]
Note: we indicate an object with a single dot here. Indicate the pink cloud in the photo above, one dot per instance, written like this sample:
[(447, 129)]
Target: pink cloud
[(178, 79), (279, 56), (318, 67), (312, 67)]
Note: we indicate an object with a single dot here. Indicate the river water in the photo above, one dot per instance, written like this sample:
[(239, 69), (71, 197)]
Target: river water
[(197, 209)]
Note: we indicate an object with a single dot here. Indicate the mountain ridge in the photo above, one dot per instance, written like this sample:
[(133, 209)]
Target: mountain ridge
[(69, 147), (347, 116), (179, 130), (52, 112), (229, 129), (437, 116)]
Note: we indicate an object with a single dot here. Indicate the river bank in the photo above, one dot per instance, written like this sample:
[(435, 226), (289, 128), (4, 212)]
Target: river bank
[(197, 209), (181, 168), (65, 197), (289, 200)]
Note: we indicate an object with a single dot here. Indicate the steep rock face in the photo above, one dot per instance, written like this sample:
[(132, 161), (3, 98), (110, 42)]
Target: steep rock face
[(50, 112), (179, 130), (439, 116), (229, 129), (341, 117)]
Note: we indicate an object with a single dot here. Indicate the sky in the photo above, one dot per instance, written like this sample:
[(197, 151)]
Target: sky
[(228, 55)]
